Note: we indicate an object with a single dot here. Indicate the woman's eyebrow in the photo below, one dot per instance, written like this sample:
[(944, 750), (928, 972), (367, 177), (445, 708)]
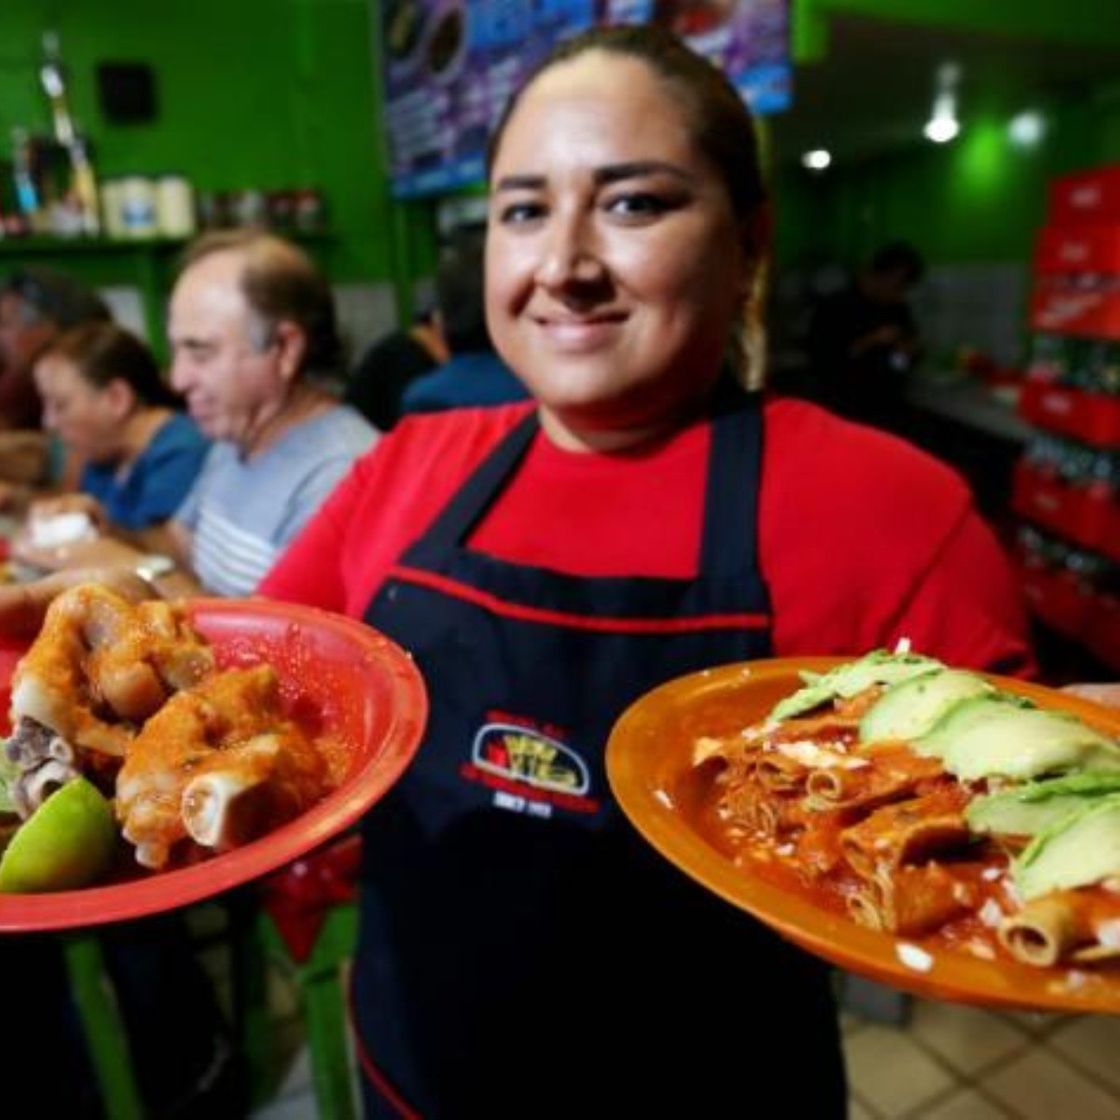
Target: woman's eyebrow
[(639, 169), (612, 173), (520, 183)]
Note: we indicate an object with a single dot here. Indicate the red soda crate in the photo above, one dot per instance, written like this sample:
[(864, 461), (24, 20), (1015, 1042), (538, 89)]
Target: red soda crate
[(1087, 196), (1085, 248), (1091, 417), (1050, 502), (1083, 312), (1059, 598)]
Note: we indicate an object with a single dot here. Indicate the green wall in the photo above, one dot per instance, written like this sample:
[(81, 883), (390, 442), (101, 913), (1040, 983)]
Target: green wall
[(251, 93), (979, 198)]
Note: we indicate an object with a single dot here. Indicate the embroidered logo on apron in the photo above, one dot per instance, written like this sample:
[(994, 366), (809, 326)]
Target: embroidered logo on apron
[(529, 771)]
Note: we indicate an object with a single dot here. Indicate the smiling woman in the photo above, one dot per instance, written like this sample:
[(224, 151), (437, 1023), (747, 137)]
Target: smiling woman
[(546, 565), (522, 953), (621, 244)]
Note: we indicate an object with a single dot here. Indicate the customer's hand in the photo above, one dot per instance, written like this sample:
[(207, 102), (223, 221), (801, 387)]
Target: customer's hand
[(1107, 694), (22, 606)]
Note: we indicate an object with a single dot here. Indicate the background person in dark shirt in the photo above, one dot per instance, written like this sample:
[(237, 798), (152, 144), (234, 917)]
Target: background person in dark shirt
[(863, 340), (472, 374), (390, 365)]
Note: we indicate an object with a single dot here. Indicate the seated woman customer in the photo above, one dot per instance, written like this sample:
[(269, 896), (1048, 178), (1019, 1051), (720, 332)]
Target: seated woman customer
[(104, 399)]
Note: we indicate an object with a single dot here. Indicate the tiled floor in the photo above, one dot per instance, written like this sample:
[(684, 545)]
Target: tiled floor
[(958, 1063)]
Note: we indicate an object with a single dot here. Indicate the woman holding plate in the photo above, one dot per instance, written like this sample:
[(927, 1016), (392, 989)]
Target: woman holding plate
[(522, 952)]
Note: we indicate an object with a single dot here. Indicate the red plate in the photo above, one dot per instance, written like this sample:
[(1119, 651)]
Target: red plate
[(648, 758), (349, 680)]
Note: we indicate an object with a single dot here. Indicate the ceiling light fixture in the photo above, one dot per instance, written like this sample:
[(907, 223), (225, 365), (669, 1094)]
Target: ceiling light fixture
[(1026, 129), (817, 159), (943, 124)]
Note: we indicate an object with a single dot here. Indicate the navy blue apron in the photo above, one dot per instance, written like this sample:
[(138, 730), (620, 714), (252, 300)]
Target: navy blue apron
[(522, 952)]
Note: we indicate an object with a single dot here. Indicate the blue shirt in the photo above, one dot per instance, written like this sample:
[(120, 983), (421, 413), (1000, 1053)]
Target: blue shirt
[(475, 378), (156, 483)]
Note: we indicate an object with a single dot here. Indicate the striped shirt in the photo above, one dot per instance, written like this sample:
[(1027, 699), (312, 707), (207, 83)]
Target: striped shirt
[(242, 513)]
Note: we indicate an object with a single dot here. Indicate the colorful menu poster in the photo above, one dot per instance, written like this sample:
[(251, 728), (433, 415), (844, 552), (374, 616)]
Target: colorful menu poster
[(451, 65)]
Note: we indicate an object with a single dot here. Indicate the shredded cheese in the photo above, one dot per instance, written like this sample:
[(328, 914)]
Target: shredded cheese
[(809, 754)]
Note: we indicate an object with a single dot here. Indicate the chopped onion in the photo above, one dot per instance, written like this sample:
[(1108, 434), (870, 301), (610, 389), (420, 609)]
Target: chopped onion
[(913, 957), (990, 913)]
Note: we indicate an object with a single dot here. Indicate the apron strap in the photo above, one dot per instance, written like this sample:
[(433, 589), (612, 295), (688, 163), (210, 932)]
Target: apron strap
[(729, 546), (729, 539), (460, 516)]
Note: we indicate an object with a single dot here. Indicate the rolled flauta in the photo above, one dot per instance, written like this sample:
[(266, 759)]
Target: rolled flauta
[(910, 901), (907, 832), (1047, 929)]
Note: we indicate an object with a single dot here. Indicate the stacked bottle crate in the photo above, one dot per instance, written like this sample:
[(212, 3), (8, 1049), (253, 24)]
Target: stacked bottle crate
[(1067, 483)]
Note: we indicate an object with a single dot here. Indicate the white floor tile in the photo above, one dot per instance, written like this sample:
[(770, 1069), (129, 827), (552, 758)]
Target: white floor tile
[(1039, 1086), (1093, 1042), (965, 1037), (857, 1111), (966, 1104), (890, 1072)]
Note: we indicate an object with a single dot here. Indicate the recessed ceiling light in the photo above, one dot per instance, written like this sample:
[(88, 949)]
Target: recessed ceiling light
[(817, 159), (941, 129), (1027, 129)]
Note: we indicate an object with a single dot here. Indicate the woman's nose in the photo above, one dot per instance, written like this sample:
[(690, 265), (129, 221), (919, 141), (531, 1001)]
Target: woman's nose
[(570, 255)]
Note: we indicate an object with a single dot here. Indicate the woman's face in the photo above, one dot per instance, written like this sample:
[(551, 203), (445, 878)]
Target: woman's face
[(86, 418), (614, 261)]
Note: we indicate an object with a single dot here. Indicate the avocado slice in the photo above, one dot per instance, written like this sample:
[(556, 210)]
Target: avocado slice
[(1027, 810), (877, 667), (1081, 848), (996, 736), (910, 708)]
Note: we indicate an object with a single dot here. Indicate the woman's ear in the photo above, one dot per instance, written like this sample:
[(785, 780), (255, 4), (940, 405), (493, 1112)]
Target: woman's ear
[(119, 397)]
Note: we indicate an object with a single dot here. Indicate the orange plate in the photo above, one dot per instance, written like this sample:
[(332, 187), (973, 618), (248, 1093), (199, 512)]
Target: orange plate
[(648, 756), (337, 676)]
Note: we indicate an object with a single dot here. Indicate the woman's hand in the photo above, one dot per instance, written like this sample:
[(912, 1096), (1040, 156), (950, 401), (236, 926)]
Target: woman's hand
[(1107, 694), (22, 606)]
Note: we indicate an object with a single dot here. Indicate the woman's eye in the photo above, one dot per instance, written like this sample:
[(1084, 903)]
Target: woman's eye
[(520, 213), (637, 205)]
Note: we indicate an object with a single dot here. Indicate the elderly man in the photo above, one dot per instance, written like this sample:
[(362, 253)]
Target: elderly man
[(36, 306), (252, 326)]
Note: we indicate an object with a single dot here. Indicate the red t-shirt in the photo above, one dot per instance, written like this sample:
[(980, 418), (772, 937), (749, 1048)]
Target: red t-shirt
[(862, 538)]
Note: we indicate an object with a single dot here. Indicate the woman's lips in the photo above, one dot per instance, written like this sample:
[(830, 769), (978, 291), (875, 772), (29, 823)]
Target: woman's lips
[(576, 336)]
